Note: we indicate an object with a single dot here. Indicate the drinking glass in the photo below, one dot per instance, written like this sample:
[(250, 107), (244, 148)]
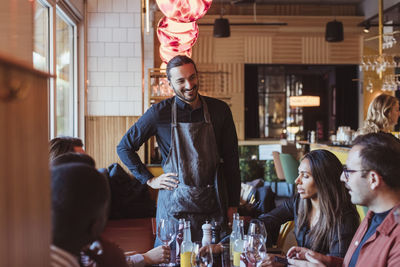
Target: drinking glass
[(255, 250), (369, 87), (202, 256), (257, 227), (225, 255), (166, 231)]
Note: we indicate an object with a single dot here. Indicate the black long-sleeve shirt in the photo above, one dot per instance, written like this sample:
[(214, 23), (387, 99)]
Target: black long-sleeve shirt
[(288, 212), (157, 121)]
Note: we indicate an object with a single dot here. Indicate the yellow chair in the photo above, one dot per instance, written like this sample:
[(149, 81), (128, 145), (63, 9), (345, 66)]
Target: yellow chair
[(283, 233)]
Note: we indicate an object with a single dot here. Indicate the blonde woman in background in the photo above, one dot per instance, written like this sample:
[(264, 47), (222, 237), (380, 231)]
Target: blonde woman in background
[(382, 116)]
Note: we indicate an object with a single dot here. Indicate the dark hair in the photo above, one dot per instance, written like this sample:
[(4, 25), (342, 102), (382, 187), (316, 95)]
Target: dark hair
[(381, 152), (71, 157), (178, 61), (333, 198), (79, 194), (61, 145)]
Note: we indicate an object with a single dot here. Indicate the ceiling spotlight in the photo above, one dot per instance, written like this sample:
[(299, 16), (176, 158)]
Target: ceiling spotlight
[(366, 27)]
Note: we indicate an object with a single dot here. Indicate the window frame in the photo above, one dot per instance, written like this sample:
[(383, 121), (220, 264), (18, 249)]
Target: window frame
[(65, 12)]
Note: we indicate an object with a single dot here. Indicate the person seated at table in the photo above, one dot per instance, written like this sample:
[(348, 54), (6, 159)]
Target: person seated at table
[(325, 219), (79, 203), (383, 114), (372, 178), (70, 157), (130, 199), (73, 166), (64, 144)]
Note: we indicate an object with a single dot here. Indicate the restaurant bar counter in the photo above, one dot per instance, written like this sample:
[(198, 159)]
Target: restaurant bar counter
[(340, 152)]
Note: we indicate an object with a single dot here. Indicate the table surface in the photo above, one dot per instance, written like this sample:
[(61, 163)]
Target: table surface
[(131, 234)]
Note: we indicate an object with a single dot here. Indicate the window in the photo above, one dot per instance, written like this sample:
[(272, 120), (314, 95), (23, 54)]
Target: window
[(41, 37), (55, 51), (65, 86)]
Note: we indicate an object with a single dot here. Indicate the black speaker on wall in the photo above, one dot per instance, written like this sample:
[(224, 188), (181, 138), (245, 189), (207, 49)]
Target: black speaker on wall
[(221, 28), (334, 31)]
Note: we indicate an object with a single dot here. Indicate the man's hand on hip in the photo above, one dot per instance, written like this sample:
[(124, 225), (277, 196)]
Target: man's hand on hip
[(167, 181)]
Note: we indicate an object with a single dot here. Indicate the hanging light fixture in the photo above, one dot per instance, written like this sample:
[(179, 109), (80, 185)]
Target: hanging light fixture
[(221, 26), (334, 31), (304, 101)]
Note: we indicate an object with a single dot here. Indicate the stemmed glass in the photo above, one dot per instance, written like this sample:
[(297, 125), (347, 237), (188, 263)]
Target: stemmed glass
[(369, 87), (166, 232), (202, 256), (255, 250), (257, 227)]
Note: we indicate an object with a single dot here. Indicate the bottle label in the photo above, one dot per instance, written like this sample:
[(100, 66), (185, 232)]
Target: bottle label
[(231, 249), (179, 239), (236, 258), (185, 259)]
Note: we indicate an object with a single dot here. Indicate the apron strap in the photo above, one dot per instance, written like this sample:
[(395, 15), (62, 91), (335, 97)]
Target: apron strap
[(205, 110), (173, 117)]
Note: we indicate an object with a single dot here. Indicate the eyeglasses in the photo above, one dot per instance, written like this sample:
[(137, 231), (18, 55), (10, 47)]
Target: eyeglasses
[(347, 171)]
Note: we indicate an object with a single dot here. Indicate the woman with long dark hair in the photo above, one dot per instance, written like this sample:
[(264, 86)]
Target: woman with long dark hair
[(325, 219)]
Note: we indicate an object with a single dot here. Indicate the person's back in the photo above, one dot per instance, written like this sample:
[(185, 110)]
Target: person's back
[(79, 202), (129, 198)]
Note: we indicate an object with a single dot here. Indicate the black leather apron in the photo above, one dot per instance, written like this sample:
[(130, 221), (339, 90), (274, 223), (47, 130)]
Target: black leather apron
[(193, 155)]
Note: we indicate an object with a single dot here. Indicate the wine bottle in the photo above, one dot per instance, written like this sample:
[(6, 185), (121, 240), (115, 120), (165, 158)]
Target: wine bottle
[(186, 246), (238, 244), (179, 239), (233, 233)]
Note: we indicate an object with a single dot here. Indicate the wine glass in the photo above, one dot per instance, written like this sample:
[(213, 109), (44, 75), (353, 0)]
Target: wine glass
[(255, 250), (202, 256), (166, 231), (257, 227)]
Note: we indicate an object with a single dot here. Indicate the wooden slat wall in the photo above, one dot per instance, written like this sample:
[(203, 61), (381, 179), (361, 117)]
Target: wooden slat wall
[(302, 41), (103, 134), (257, 49), (25, 224), (286, 49), (276, 9), (346, 52), (315, 50)]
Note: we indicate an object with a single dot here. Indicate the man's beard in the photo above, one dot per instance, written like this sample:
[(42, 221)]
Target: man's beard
[(182, 97)]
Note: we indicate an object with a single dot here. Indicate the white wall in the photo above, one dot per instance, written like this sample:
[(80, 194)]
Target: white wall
[(115, 57)]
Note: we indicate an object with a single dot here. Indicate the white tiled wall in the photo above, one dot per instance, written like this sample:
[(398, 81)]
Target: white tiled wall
[(114, 58)]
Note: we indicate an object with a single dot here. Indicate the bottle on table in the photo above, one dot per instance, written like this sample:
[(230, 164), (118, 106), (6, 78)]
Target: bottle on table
[(179, 239), (233, 235), (238, 244), (186, 246)]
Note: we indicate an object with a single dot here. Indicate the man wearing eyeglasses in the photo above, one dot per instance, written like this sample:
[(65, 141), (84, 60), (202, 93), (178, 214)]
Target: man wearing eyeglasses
[(372, 176)]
